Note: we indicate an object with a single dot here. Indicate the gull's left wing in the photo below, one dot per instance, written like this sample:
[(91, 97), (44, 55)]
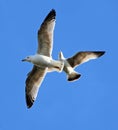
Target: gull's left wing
[(45, 34)]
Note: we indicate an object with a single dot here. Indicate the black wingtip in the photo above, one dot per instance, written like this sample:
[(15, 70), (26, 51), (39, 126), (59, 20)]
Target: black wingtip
[(73, 76), (51, 15), (29, 102), (53, 10), (100, 53)]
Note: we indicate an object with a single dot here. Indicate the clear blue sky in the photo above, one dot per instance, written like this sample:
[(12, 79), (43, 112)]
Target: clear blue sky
[(90, 103)]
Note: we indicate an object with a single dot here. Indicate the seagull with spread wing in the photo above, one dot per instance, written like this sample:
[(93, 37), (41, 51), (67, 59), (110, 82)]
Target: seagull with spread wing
[(76, 60), (42, 60)]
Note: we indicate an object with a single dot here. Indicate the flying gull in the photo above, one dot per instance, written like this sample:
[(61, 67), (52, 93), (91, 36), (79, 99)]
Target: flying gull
[(42, 60), (76, 60)]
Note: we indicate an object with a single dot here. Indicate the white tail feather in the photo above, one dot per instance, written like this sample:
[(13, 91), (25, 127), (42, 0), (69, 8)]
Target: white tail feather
[(61, 56), (73, 76)]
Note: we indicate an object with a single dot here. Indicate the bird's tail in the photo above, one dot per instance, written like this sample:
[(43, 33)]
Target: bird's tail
[(73, 76), (61, 56)]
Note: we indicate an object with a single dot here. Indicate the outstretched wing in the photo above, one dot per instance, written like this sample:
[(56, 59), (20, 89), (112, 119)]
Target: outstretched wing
[(45, 34), (82, 57), (33, 82)]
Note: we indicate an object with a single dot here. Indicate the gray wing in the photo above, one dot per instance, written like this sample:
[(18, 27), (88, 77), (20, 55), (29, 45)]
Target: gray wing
[(33, 82), (82, 57), (45, 34)]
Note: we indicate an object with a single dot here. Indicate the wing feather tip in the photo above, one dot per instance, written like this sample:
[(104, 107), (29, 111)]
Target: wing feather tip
[(53, 12), (29, 101), (51, 15), (100, 53)]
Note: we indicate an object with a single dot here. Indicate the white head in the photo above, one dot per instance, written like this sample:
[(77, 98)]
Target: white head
[(28, 59)]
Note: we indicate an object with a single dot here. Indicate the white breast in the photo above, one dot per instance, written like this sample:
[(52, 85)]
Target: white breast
[(41, 60)]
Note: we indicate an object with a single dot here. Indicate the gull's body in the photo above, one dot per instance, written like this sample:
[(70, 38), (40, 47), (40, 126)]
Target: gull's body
[(76, 60), (42, 61)]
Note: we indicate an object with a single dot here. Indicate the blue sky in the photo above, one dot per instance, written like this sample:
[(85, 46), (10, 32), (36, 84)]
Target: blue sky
[(90, 103)]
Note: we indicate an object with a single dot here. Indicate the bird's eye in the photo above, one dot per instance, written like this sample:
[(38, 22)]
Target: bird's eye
[(28, 57)]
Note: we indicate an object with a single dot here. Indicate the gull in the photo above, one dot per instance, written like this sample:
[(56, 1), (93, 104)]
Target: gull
[(42, 60), (79, 58)]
